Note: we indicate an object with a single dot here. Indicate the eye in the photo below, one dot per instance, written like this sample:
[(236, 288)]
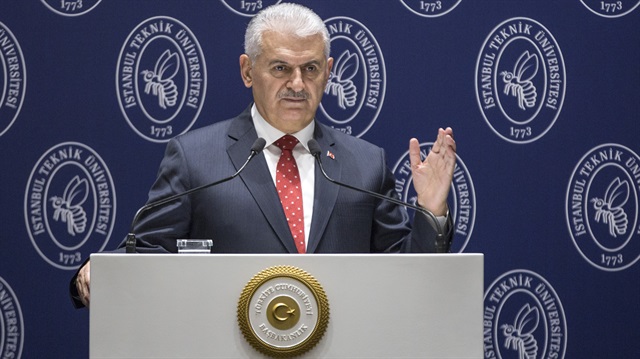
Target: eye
[(278, 71), (311, 68)]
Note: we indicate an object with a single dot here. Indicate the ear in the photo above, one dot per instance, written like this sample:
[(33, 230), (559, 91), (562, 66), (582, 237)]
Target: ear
[(329, 66), (245, 70)]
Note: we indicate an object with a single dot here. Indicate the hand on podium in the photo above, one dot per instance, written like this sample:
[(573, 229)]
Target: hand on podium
[(83, 283)]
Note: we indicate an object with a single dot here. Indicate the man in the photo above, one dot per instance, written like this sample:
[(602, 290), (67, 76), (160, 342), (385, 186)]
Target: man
[(287, 65)]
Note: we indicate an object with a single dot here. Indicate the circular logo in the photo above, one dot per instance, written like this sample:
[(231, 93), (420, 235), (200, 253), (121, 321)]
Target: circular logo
[(434, 8), (161, 79), (14, 79), (283, 311), (523, 318), (69, 205), (603, 206), (355, 91), (611, 8), (462, 199), (11, 323), (520, 80), (248, 7), (71, 7)]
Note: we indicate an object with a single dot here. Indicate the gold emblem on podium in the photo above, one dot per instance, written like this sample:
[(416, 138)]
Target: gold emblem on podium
[(283, 311)]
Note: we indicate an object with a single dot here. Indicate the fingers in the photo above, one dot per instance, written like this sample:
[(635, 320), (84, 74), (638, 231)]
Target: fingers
[(414, 153), (444, 141), (448, 140), (443, 145), (83, 284), (437, 144)]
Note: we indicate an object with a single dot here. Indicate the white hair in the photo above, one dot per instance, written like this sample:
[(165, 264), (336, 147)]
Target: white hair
[(285, 18)]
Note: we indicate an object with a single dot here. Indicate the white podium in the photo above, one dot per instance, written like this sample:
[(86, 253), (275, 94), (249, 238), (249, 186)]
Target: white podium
[(381, 305)]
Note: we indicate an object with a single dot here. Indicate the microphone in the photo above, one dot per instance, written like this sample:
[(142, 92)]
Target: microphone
[(256, 148), (442, 246)]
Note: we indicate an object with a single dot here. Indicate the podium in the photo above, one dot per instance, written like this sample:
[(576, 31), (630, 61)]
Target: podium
[(380, 305)]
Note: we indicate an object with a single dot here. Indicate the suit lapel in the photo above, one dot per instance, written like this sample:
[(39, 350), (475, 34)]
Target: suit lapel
[(257, 178), (326, 193)]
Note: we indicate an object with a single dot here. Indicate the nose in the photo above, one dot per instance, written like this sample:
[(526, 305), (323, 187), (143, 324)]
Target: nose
[(296, 82)]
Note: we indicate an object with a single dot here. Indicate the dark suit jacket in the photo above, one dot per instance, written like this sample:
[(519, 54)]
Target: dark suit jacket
[(244, 215)]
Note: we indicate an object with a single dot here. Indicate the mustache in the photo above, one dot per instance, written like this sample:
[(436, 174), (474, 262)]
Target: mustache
[(292, 94)]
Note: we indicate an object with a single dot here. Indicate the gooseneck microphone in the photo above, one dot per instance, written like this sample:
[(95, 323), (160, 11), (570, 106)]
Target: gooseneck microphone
[(130, 243), (442, 245)]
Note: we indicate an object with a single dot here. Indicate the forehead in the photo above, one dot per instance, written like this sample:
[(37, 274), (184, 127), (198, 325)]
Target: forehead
[(292, 49)]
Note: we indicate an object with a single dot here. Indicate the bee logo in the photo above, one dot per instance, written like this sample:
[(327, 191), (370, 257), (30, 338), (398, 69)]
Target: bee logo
[(340, 83), (523, 318), (518, 83), (159, 93), (68, 208), (610, 210), (160, 80), (519, 336), (520, 80), (601, 207), (355, 91)]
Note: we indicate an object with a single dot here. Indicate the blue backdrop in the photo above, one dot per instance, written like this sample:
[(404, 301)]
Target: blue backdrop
[(543, 97)]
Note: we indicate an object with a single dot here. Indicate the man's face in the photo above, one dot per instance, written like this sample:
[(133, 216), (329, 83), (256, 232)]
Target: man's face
[(288, 79)]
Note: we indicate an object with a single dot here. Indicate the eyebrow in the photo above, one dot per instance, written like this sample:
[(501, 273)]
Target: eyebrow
[(277, 62)]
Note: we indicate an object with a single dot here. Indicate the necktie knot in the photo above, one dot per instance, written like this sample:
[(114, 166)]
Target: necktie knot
[(286, 142)]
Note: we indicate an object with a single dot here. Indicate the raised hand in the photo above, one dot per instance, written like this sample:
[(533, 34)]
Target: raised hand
[(432, 177)]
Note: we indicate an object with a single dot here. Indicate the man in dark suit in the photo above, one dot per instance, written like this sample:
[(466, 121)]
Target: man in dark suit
[(287, 65)]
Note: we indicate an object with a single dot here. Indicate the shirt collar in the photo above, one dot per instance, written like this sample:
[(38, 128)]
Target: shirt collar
[(272, 134)]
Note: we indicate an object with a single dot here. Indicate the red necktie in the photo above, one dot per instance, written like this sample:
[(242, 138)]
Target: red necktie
[(289, 190)]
